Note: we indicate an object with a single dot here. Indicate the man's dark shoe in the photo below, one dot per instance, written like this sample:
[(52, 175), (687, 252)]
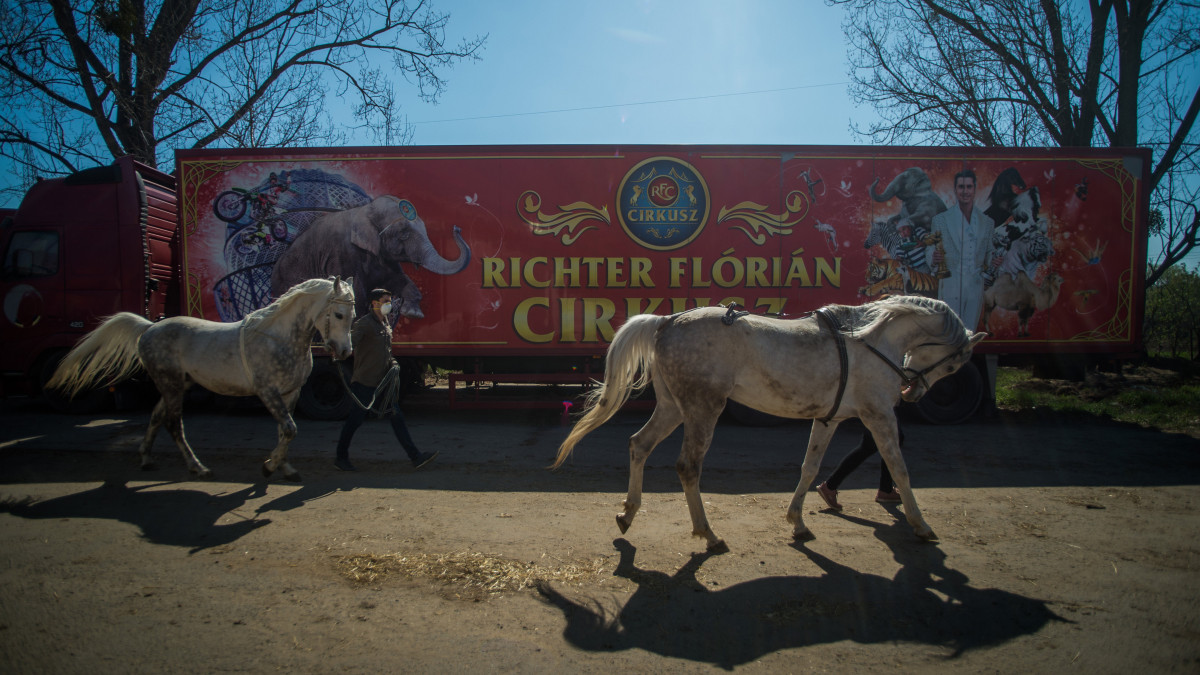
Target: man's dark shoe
[(423, 459), (344, 465)]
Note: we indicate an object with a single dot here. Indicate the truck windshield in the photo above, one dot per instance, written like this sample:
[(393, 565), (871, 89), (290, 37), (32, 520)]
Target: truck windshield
[(31, 254)]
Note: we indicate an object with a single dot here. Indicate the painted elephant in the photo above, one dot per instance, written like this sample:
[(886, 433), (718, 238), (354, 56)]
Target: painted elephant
[(368, 242), (915, 191)]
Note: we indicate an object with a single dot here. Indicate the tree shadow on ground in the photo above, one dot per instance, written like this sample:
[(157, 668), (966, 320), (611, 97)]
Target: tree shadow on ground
[(676, 615), (178, 517)]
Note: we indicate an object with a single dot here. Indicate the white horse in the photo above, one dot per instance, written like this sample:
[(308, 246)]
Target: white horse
[(802, 368), (268, 354)]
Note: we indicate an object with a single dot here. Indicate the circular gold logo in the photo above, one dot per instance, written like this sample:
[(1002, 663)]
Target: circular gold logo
[(662, 203)]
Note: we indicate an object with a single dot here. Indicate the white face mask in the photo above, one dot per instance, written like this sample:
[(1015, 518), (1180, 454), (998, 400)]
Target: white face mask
[(385, 308)]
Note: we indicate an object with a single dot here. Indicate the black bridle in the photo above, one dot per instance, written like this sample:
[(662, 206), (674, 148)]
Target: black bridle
[(917, 375), (909, 376)]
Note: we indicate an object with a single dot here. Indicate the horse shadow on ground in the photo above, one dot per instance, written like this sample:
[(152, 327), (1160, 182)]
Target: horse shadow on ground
[(180, 517), (675, 615), (301, 496)]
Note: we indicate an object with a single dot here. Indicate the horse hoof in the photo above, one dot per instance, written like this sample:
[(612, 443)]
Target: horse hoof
[(150, 466), (204, 475), (927, 536), (719, 547), (622, 523), (806, 535), (295, 477), (266, 471)]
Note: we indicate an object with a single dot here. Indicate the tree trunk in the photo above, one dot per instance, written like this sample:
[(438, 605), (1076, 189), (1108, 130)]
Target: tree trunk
[(1132, 20)]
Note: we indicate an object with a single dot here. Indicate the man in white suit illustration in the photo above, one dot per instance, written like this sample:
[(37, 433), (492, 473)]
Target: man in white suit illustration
[(966, 242)]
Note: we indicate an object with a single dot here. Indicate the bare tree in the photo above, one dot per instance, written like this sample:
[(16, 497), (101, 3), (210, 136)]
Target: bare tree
[(86, 81), (1069, 73)]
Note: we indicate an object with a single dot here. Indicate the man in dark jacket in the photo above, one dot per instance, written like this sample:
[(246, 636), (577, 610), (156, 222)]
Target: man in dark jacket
[(373, 364)]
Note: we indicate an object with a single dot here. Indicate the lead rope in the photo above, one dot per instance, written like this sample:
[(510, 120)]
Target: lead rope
[(387, 392)]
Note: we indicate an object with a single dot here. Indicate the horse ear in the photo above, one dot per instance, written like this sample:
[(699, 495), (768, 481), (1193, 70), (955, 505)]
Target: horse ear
[(977, 338)]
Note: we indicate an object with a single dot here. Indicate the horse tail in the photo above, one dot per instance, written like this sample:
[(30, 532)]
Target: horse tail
[(108, 353), (627, 370)]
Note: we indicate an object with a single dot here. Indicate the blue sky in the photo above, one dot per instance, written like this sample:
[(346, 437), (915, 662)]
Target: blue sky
[(647, 72), (639, 72), (644, 72)]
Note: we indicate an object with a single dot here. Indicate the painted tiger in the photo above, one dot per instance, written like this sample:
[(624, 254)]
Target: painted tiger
[(888, 275)]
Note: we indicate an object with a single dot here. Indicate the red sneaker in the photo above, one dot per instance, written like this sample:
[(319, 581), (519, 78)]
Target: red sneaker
[(830, 496), (892, 497)]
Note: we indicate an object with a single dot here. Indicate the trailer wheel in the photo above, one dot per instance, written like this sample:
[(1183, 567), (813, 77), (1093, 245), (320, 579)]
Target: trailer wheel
[(953, 399), (323, 396), (85, 402)]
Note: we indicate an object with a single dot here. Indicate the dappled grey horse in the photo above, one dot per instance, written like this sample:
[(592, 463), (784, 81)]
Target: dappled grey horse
[(268, 354), (803, 368)]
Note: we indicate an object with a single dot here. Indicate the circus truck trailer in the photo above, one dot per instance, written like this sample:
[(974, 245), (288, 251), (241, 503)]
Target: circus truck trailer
[(518, 264)]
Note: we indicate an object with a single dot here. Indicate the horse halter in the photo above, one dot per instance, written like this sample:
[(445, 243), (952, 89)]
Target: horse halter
[(917, 375), (908, 379), (333, 300)]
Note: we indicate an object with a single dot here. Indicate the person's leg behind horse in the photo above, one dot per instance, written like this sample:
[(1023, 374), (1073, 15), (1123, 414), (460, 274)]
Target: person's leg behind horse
[(829, 489)]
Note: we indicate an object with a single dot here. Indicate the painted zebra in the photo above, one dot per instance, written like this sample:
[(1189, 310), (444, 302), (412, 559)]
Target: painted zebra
[(909, 248)]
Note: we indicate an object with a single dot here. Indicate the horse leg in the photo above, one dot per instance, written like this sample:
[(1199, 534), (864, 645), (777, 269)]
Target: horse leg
[(281, 409), (818, 441), (663, 421), (173, 412), (697, 435), (156, 421), (883, 428)]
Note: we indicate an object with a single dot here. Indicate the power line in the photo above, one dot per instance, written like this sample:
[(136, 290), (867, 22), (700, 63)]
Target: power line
[(629, 105)]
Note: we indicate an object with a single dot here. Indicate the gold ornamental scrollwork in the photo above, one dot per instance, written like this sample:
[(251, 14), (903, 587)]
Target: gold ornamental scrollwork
[(763, 224), (570, 218)]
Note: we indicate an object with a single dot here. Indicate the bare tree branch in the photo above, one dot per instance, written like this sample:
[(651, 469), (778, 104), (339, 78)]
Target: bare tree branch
[(144, 77)]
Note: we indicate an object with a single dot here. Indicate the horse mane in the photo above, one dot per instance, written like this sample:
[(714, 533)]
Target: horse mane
[(265, 315), (866, 319)]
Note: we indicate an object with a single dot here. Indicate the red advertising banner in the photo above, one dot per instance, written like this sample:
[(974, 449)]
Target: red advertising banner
[(531, 250)]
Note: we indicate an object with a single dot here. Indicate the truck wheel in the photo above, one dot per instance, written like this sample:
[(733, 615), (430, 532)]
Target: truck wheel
[(323, 396), (749, 417), (953, 399), (86, 402)]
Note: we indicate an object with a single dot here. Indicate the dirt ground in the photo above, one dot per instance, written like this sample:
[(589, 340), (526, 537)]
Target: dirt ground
[(1064, 544)]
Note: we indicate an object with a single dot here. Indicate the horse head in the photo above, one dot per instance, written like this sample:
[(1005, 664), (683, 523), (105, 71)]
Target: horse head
[(940, 352), (338, 317)]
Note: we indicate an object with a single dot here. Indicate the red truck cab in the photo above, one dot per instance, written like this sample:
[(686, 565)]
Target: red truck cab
[(78, 249)]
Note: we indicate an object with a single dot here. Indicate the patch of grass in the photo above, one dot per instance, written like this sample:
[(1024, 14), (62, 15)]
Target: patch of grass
[(1175, 408), (1147, 397)]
